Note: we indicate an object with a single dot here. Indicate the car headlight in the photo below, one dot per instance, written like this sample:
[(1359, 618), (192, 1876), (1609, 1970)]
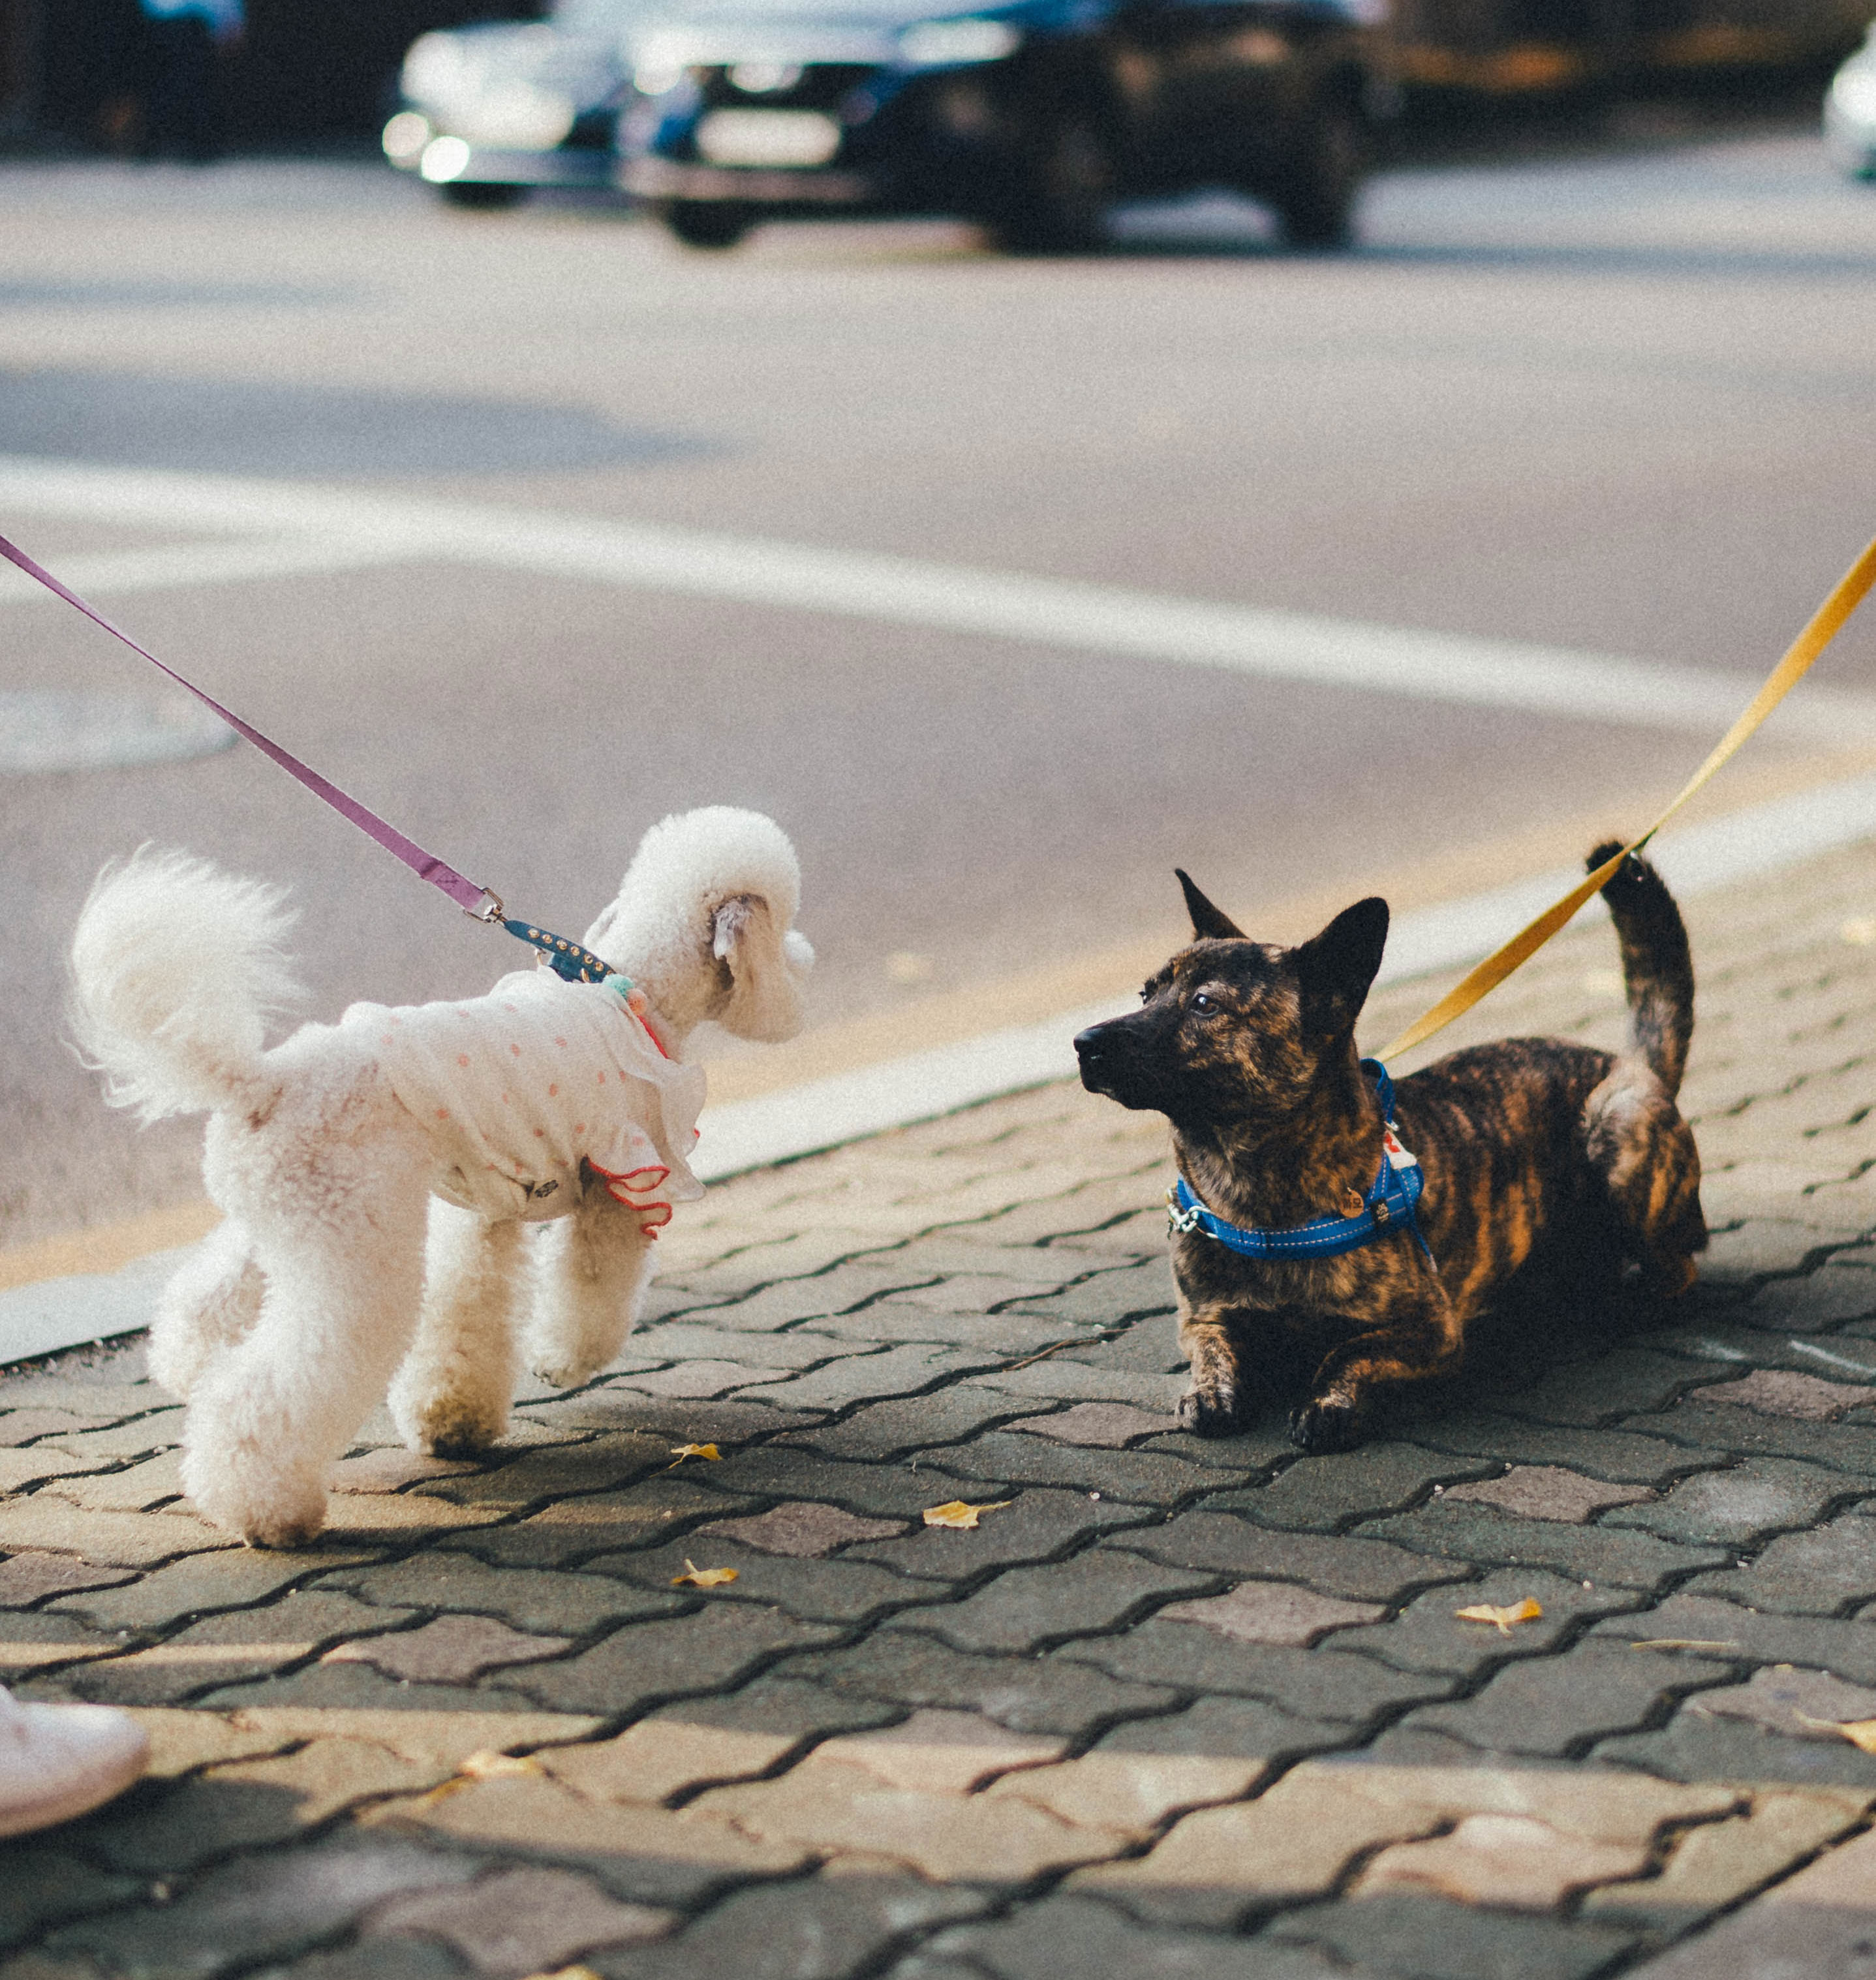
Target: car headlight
[(952, 44), (434, 69), (1854, 94), (515, 117)]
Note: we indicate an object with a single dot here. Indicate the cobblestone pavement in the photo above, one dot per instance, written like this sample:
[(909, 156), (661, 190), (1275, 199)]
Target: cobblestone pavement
[(1171, 1707)]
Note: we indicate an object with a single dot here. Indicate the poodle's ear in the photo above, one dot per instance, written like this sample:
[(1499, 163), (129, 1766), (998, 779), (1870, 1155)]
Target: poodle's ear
[(1207, 920), (765, 964)]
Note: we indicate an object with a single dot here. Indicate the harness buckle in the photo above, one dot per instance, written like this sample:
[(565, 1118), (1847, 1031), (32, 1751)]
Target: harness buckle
[(489, 909)]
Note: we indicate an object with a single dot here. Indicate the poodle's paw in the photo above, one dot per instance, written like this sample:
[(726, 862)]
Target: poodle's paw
[(1210, 1412), (282, 1517), (450, 1426), (1325, 1424), (563, 1371)]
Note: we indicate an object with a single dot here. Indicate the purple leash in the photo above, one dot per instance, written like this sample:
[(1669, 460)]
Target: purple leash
[(567, 958)]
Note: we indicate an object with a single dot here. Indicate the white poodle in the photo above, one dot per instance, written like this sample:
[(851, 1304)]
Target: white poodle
[(562, 1104)]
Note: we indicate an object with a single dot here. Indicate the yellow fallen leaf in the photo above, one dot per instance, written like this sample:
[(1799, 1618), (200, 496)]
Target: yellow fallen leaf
[(702, 1577), (1501, 1618), (1860, 1732), (955, 1512), (484, 1765), (487, 1764), (681, 1451)]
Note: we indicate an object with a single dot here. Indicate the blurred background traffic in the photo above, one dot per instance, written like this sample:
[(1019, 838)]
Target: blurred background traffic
[(1032, 116)]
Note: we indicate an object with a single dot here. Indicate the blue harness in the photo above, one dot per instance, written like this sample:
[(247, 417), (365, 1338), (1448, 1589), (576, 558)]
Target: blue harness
[(1387, 1208)]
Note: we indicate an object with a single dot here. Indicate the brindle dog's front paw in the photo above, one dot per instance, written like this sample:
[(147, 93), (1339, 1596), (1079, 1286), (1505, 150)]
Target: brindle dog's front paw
[(1210, 1412), (1324, 1424)]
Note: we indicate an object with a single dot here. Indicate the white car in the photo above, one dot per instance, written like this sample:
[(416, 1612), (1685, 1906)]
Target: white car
[(489, 111), (1850, 112)]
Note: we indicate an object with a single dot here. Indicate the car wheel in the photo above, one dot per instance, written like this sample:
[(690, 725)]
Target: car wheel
[(700, 223), (483, 195), (1059, 192), (1315, 202)]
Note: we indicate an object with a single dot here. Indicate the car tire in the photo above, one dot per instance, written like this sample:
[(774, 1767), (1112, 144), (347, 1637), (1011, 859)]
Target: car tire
[(1059, 192), (712, 224), (483, 195), (1316, 200)]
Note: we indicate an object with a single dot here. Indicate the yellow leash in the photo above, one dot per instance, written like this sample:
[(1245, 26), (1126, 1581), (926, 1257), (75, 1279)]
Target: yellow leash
[(1824, 627)]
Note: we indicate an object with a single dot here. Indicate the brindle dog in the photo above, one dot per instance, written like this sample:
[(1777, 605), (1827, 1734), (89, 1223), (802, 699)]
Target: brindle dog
[(1546, 1163)]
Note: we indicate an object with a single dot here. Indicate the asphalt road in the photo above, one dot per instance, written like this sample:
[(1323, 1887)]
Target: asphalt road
[(1618, 405)]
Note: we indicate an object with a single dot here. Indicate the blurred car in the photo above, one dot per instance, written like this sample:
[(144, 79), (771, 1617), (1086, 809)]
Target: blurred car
[(1850, 112), (1033, 117), (489, 111)]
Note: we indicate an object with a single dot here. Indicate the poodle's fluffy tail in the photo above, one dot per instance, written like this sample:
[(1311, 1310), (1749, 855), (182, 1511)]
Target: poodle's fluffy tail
[(176, 967), (1657, 968)]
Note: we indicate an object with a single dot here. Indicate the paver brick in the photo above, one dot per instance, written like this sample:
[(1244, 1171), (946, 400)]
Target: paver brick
[(46, 1883), (229, 1647), (1070, 1934), (644, 1662), (1596, 1554), (1601, 1391), (802, 1530), (1823, 1571), (448, 1650), (519, 1922), (1314, 1684), (1435, 1939), (1050, 1695), (893, 1429), (1546, 1492), (30, 1577), (1627, 1457), (1027, 1609), (1733, 1508), (1272, 1612), (260, 1908), (1779, 1392), (572, 1531), (840, 1591), (558, 1470), (537, 1600), (1552, 1705), (1817, 1922), (827, 1929), (199, 1584), (1222, 1543), (1716, 1864), (1719, 1431), (112, 1539), (1325, 1494), (1101, 1426), (1036, 1525), (1428, 1635), (1147, 1476)]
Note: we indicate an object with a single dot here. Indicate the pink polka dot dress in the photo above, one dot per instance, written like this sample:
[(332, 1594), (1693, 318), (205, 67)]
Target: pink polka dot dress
[(520, 1087)]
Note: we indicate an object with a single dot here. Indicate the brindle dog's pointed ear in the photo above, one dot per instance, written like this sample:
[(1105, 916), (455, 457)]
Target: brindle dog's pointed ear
[(1336, 967), (1206, 921)]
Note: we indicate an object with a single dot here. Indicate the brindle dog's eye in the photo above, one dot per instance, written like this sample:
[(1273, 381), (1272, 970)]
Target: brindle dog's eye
[(1204, 1005)]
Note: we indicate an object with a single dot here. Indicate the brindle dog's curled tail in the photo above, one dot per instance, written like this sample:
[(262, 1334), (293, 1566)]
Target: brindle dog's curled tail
[(1656, 965)]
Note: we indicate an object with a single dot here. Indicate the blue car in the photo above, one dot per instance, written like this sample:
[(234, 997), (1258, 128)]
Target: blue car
[(1034, 119)]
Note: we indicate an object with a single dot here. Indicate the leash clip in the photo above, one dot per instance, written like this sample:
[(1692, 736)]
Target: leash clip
[(1182, 1222), (489, 909)]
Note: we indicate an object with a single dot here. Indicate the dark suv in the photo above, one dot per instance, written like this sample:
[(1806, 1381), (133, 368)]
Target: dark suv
[(1033, 118)]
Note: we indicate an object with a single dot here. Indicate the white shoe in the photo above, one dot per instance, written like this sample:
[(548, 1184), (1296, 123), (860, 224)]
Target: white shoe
[(57, 1761)]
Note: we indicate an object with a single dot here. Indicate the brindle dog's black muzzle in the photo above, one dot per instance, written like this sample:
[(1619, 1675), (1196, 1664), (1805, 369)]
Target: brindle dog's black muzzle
[(1111, 1057)]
